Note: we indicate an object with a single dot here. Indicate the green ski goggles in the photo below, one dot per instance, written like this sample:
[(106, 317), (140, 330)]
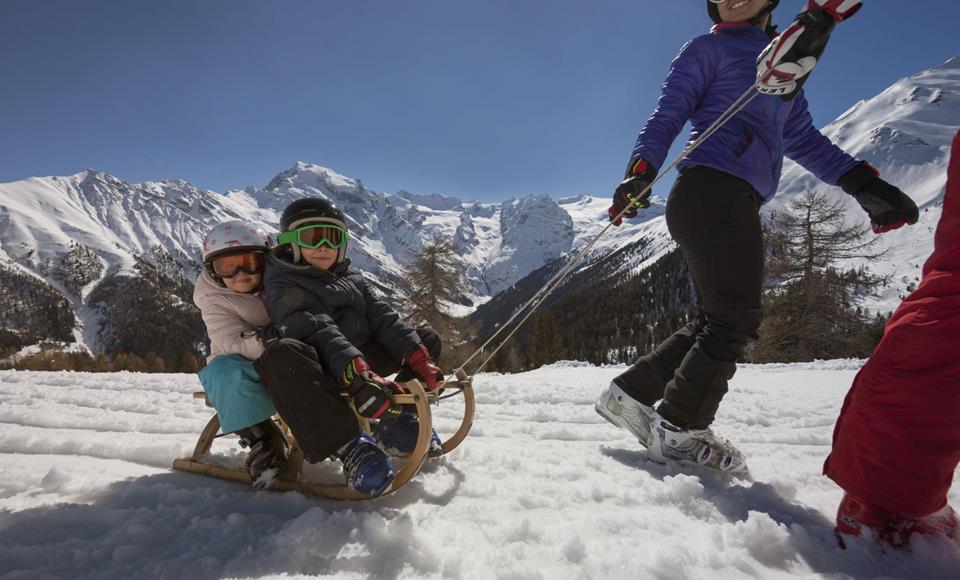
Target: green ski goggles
[(312, 236)]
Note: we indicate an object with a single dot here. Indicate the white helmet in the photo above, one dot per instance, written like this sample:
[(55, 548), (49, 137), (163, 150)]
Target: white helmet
[(234, 236)]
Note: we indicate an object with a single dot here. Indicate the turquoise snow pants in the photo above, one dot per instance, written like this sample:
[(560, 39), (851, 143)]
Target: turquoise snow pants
[(234, 388)]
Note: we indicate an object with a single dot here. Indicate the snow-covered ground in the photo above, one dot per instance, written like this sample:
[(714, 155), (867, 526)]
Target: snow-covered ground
[(542, 488)]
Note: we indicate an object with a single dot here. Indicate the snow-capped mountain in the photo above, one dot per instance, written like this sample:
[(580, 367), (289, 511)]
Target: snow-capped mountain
[(106, 227), (117, 220), (905, 132)]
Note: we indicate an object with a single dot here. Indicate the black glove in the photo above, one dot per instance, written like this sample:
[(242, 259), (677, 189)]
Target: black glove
[(372, 394), (633, 189), (888, 207)]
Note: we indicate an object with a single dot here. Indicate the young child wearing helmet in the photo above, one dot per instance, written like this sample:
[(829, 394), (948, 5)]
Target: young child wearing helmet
[(228, 293), (314, 296)]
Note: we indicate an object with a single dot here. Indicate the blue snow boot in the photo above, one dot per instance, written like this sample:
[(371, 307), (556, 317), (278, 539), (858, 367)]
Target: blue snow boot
[(399, 436), (366, 467)]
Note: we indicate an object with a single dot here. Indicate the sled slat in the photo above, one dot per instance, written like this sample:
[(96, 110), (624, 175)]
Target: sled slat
[(332, 491), (415, 461), (469, 408), (206, 438)]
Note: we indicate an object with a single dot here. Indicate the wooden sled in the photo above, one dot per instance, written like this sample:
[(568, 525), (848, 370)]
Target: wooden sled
[(291, 480)]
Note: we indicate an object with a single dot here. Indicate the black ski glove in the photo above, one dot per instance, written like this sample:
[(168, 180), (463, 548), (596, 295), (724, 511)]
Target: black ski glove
[(372, 394), (888, 207), (634, 189)]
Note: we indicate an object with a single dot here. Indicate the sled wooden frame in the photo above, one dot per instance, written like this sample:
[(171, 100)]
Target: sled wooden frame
[(290, 479)]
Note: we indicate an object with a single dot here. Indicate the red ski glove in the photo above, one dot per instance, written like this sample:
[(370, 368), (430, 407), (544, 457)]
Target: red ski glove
[(372, 394), (785, 64), (419, 362), (633, 192)]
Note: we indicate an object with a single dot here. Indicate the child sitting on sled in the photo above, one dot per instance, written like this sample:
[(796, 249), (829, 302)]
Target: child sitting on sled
[(228, 293), (315, 297)]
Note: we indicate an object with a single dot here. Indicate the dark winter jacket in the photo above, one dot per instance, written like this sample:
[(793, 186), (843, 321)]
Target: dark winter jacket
[(335, 311), (709, 75)]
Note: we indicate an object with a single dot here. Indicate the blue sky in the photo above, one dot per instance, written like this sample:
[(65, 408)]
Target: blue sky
[(482, 99)]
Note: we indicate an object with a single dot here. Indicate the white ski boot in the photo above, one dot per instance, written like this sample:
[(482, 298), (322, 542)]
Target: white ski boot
[(697, 447), (622, 410)]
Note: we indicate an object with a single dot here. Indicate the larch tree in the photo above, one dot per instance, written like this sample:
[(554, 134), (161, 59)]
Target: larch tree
[(809, 305), (432, 281)]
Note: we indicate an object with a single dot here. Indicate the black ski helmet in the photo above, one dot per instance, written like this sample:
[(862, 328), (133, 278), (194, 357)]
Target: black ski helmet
[(714, 12), (310, 210)]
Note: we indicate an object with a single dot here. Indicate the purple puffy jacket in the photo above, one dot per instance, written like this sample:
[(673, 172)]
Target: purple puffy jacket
[(708, 75)]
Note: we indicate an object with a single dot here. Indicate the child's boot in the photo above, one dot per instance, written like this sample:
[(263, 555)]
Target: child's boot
[(855, 517), (366, 467), (399, 436), (267, 456)]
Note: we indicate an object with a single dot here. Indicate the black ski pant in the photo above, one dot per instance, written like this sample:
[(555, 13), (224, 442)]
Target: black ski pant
[(714, 218), (309, 400), (306, 398)]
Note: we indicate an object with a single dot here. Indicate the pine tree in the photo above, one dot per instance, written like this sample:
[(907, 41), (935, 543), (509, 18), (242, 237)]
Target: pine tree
[(431, 281), (155, 364), (546, 344), (507, 359), (187, 362), (809, 305)]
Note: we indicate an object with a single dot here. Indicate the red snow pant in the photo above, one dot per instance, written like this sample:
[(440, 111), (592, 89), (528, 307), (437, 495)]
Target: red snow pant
[(897, 441)]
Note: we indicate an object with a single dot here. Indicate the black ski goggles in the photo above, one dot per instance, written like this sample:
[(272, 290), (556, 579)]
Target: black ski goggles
[(229, 266), (312, 236)]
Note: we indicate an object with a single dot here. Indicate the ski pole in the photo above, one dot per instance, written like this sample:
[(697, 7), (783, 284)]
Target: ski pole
[(555, 281)]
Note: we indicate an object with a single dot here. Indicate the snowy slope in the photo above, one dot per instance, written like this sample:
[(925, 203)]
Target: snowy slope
[(41, 216), (905, 132), (542, 488)]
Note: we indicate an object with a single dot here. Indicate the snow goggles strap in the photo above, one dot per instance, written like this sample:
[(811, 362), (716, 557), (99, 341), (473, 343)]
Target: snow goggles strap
[(312, 236), (231, 265)]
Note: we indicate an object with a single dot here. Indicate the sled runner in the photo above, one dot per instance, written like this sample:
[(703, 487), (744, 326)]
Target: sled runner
[(291, 479)]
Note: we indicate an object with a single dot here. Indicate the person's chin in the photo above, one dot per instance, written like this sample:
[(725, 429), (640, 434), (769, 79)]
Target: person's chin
[(322, 264)]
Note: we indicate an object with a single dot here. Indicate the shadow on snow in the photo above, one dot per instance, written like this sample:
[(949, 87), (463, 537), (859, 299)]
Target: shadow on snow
[(177, 525)]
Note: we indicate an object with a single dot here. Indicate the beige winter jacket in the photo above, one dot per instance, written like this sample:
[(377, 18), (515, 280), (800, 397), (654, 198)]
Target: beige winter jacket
[(228, 315)]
